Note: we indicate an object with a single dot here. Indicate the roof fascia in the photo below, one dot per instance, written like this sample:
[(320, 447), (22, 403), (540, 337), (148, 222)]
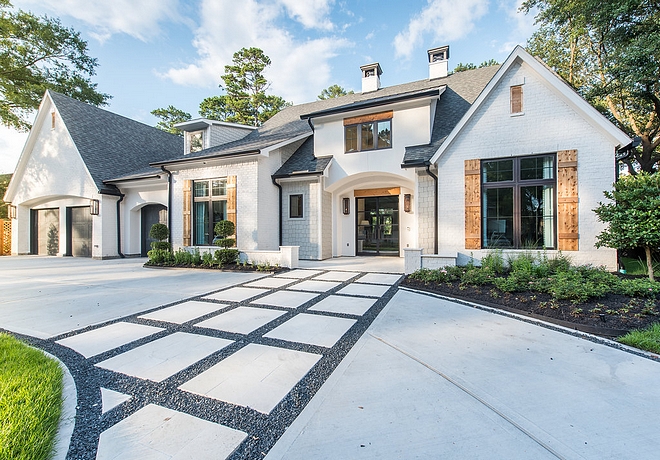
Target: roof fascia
[(204, 159), (132, 179), (554, 82)]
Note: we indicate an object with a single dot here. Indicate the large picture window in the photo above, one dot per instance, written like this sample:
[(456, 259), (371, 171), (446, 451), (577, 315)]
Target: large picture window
[(371, 135), (518, 202), (209, 208)]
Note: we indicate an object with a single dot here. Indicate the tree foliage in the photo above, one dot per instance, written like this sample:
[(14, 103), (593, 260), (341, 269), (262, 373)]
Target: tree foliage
[(36, 54), (610, 53), (332, 92), (460, 67), (169, 117), (245, 101), (633, 215), (4, 183)]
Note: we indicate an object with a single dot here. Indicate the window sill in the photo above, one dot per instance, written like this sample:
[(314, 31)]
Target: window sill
[(518, 114)]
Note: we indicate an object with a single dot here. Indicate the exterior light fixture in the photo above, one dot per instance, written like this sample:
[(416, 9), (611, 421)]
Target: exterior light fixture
[(11, 211), (406, 202), (346, 202), (94, 207)]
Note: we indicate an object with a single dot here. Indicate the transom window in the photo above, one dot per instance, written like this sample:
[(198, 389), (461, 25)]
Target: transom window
[(368, 135), (195, 141), (518, 202), (209, 208)]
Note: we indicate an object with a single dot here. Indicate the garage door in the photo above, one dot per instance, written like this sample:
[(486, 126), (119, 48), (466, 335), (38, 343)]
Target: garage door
[(79, 226), (45, 231)]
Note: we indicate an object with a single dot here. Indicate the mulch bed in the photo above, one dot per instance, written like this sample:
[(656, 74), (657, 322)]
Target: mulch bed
[(614, 314), (224, 268)]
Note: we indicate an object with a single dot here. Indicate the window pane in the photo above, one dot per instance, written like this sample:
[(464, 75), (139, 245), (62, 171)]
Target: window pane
[(384, 134), (196, 141), (537, 217), (219, 187), (498, 171), (201, 189), (201, 230), (350, 136), (537, 168), (367, 136), (497, 225), (219, 212), (295, 205)]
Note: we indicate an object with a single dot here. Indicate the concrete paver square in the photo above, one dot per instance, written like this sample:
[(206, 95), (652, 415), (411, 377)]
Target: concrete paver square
[(347, 305), (367, 290), (286, 299), (336, 276), (183, 312), (314, 286), (241, 320), (155, 432), (312, 329), (256, 376), (298, 274), (378, 278), (164, 357), (111, 399), (237, 294), (106, 338), (270, 282)]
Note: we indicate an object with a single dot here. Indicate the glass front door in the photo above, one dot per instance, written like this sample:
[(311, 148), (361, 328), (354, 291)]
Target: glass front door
[(378, 225)]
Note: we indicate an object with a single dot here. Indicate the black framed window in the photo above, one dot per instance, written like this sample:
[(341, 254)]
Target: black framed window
[(519, 202), (373, 135), (296, 206), (209, 208), (195, 141)]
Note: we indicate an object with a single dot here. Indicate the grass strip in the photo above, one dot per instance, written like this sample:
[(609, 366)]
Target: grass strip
[(30, 401), (646, 339)]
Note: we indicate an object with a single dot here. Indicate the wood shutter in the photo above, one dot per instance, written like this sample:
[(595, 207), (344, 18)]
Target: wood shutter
[(187, 215), (516, 99), (231, 199), (472, 204), (567, 201)]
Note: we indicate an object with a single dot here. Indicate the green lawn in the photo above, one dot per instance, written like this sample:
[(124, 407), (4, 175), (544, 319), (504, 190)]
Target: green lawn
[(30, 401), (645, 339), (638, 266)]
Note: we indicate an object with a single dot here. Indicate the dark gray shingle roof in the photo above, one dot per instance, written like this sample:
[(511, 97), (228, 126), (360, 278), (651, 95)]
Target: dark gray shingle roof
[(303, 161), (111, 145)]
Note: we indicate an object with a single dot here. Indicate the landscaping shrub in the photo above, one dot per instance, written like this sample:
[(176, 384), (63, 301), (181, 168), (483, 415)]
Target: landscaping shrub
[(579, 284), (182, 257), (160, 256), (161, 245), (494, 262), (223, 230), (639, 287), (196, 257), (226, 256), (207, 259)]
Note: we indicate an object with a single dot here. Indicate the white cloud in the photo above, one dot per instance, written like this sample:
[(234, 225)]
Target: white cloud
[(11, 146), (312, 14), (299, 68), (522, 25), (140, 19), (447, 20)]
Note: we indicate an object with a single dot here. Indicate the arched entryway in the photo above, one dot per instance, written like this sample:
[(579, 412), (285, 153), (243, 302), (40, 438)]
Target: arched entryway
[(149, 215)]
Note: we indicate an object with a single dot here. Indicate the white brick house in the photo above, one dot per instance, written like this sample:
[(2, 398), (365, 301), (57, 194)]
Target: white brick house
[(506, 157)]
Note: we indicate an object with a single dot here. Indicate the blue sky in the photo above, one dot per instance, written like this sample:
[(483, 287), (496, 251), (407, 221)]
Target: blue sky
[(153, 53)]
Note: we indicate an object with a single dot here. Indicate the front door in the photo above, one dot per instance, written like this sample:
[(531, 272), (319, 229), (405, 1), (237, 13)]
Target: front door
[(79, 232), (378, 225), (149, 215)]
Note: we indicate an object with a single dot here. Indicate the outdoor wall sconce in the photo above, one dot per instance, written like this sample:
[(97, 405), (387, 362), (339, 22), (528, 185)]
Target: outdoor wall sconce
[(346, 206), (11, 212), (406, 202), (94, 207)]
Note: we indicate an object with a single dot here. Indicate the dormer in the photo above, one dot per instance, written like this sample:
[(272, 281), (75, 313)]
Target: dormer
[(371, 77), (202, 133), (438, 62)]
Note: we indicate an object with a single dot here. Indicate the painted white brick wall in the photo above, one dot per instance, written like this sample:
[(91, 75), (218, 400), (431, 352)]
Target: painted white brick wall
[(549, 124), (425, 201), (326, 228), (303, 231)]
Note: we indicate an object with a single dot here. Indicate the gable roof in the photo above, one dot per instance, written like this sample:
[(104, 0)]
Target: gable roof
[(303, 162), (561, 87), (111, 145)]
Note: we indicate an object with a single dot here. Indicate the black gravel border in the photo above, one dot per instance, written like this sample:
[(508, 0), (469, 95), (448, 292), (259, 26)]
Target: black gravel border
[(263, 430)]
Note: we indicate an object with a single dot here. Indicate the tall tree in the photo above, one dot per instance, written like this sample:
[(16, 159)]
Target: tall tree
[(610, 53), (460, 67), (169, 117), (36, 54), (246, 101), (333, 91), (4, 183)]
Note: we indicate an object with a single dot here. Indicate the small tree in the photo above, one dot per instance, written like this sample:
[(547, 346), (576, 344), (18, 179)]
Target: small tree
[(159, 232), (223, 230), (633, 215)]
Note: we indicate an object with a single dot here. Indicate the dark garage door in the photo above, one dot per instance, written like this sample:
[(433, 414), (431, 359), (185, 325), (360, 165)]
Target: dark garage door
[(79, 226), (45, 231)]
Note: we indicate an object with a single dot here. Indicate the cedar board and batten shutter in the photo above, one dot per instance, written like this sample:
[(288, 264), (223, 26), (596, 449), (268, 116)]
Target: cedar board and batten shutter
[(231, 200), (567, 201), (472, 204), (187, 215)]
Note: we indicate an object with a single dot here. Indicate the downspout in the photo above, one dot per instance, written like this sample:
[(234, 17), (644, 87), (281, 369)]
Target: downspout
[(435, 208), (279, 216), (169, 204), (121, 198)]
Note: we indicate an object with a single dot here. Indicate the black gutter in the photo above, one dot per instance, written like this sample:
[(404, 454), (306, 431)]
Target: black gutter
[(169, 204), (203, 158), (121, 198), (297, 174), (113, 181), (435, 208), (279, 216), (372, 103)]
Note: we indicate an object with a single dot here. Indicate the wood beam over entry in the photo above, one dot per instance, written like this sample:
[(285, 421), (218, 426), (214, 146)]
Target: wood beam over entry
[(377, 192)]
